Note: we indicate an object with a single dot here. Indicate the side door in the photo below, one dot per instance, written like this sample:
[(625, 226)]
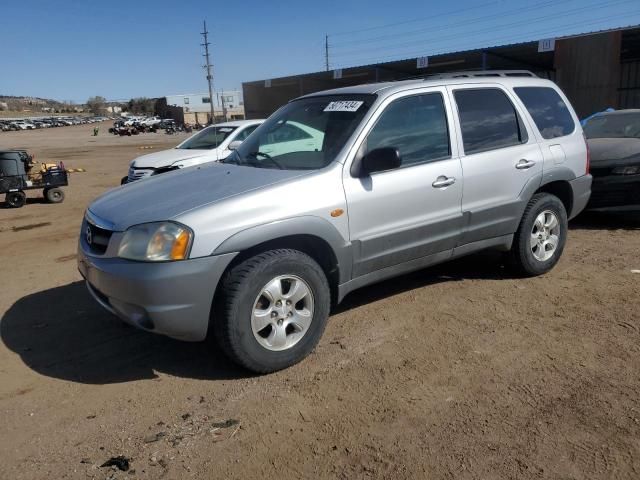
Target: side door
[(561, 142), (413, 211), (501, 160)]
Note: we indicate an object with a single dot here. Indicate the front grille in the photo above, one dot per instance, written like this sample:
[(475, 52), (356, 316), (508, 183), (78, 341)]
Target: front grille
[(138, 173), (99, 238)]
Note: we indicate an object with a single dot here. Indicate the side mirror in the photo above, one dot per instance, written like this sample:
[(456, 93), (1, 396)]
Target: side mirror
[(379, 160), (234, 145)]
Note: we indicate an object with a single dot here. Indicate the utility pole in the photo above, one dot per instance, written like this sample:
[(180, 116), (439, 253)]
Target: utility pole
[(224, 107), (208, 67), (326, 52)]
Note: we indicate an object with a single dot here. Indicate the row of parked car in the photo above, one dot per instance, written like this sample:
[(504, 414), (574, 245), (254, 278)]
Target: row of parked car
[(46, 122)]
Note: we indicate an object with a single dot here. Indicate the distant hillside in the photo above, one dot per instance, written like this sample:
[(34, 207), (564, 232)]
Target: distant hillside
[(35, 105)]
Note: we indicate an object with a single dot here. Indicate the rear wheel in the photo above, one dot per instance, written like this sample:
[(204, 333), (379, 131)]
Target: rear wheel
[(15, 199), (540, 239), (54, 195), (272, 310)]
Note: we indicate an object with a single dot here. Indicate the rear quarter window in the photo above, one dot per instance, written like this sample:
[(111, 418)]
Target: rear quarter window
[(548, 110)]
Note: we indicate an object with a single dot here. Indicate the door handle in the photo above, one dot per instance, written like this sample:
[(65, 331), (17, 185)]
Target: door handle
[(443, 181), (525, 164)]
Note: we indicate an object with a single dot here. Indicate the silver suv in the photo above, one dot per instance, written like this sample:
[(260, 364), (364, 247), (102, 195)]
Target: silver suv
[(335, 191)]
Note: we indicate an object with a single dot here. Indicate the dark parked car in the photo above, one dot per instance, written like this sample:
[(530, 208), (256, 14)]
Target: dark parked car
[(614, 143)]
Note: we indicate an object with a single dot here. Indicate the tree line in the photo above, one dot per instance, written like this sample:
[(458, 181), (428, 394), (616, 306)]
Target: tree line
[(137, 106)]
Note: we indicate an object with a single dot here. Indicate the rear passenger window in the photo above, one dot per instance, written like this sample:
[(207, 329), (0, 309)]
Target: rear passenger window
[(416, 126), (548, 111), (488, 120)]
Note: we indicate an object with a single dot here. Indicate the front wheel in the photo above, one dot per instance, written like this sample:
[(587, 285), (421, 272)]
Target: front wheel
[(541, 236), (272, 310)]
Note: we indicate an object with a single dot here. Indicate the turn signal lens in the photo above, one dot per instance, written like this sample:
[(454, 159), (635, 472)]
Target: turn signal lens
[(180, 246)]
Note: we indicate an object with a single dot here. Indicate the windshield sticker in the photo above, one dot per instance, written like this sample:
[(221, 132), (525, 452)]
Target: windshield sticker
[(225, 129), (343, 106)]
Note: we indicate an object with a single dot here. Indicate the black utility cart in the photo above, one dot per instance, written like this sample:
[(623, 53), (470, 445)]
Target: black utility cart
[(18, 172)]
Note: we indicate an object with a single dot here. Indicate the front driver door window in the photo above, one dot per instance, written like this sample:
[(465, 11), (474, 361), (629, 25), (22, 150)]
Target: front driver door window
[(401, 215)]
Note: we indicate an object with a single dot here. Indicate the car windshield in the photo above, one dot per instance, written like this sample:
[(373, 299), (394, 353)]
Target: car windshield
[(622, 125), (210, 137), (305, 134)]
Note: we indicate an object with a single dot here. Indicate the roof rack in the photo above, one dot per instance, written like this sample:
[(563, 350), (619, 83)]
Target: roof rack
[(481, 73)]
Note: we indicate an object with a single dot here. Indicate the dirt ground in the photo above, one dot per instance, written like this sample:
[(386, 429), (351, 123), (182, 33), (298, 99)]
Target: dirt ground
[(459, 371)]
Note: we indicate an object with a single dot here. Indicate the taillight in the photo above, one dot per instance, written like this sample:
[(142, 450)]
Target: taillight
[(588, 154)]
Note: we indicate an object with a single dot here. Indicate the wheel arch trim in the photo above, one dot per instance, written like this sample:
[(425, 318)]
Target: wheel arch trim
[(307, 225)]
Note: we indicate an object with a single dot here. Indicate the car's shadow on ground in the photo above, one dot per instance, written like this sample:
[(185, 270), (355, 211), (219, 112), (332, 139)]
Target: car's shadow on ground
[(63, 333), (489, 265)]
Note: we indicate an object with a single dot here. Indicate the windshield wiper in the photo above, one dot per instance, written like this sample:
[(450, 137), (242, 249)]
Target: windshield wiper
[(233, 157), (266, 156)]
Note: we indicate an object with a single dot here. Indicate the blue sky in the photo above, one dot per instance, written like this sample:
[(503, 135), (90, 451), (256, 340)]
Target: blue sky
[(74, 49)]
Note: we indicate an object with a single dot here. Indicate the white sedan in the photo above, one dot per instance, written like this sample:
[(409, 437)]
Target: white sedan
[(208, 145)]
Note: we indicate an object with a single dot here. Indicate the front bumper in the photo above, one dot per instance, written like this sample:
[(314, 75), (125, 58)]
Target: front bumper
[(615, 191), (170, 298)]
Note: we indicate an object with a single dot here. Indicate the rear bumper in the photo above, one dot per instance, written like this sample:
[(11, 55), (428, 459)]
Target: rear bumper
[(615, 191), (172, 298), (581, 188)]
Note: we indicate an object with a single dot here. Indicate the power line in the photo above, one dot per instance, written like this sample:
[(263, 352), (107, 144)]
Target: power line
[(448, 26), (439, 39), (466, 45), (405, 22)]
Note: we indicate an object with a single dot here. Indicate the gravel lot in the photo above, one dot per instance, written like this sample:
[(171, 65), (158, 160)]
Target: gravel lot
[(460, 371)]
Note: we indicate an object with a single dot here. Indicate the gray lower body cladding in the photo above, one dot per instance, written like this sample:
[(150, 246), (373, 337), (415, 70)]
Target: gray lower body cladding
[(581, 188)]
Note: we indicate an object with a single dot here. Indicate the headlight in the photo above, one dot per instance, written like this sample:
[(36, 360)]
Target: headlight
[(632, 170), (156, 242)]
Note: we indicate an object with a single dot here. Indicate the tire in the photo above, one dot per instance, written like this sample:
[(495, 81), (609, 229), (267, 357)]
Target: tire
[(54, 195), (15, 199), (533, 256), (243, 288), (124, 180)]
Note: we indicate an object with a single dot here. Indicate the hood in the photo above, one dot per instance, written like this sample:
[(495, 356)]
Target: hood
[(603, 149), (167, 157), (166, 196)]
